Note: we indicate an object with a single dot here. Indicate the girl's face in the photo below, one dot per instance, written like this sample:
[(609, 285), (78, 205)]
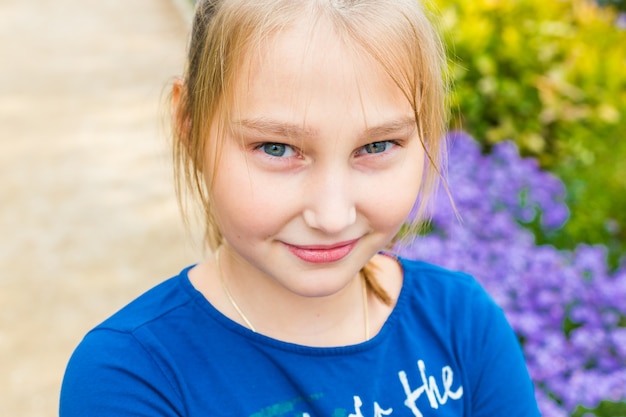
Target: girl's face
[(320, 166)]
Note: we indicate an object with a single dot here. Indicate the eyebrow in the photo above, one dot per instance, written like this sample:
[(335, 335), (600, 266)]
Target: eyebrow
[(276, 128), (392, 127), (292, 130)]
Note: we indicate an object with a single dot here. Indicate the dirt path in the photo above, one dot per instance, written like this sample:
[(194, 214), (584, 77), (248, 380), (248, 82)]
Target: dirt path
[(88, 218)]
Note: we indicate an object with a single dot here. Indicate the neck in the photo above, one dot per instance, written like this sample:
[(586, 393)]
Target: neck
[(265, 306)]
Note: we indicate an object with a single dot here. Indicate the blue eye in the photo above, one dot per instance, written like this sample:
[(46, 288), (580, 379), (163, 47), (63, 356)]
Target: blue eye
[(378, 147), (277, 149)]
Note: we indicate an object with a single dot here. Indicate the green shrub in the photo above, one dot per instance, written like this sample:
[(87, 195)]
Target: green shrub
[(550, 75), (618, 4)]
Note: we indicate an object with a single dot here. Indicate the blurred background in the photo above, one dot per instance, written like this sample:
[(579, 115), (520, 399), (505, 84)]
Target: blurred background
[(550, 76), (88, 216), (538, 174), (538, 171)]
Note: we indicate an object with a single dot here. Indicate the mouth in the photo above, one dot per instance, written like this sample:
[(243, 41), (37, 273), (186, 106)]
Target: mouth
[(321, 254)]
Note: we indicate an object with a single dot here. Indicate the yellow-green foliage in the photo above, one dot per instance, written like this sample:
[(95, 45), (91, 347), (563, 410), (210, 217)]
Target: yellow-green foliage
[(550, 75)]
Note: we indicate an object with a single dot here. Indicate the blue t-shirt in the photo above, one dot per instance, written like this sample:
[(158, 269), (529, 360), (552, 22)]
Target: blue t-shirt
[(445, 350)]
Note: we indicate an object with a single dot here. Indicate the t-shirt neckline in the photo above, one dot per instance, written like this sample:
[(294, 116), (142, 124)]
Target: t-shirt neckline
[(259, 338)]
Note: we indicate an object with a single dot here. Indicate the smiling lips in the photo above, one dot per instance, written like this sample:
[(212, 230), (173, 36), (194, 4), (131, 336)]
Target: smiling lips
[(323, 254)]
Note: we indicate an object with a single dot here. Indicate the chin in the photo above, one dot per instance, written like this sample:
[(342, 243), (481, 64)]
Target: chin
[(320, 284)]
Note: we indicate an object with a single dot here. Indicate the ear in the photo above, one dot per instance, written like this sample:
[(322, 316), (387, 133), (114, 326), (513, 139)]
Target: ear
[(180, 120)]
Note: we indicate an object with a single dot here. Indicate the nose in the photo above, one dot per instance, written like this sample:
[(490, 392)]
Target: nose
[(330, 202)]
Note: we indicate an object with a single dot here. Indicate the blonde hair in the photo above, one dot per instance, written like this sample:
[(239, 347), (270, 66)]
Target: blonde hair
[(396, 34)]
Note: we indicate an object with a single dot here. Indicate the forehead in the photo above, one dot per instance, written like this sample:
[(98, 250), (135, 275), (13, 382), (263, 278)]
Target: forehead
[(311, 74)]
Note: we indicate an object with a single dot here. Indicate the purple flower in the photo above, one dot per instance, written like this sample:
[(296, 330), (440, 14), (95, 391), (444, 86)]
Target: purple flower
[(566, 306)]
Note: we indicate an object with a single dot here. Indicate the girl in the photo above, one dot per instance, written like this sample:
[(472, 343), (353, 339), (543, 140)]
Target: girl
[(307, 128)]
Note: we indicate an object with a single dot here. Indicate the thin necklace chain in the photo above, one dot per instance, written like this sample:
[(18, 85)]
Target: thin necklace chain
[(232, 301), (366, 316), (227, 292)]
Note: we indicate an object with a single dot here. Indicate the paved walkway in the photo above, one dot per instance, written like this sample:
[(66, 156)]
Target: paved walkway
[(88, 218)]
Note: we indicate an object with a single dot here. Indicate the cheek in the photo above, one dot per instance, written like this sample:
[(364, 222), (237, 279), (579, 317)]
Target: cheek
[(247, 206), (395, 204), (396, 196)]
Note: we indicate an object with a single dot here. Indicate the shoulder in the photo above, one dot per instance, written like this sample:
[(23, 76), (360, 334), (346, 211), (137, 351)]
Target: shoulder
[(153, 305), (113, 373), (415, 268), (134, 328), (128, 330), (121, 357), (452, 301), (455, 314), (431, 280)]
